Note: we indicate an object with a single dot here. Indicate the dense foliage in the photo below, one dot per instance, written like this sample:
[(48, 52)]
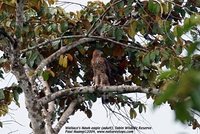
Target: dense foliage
[(150, 43)]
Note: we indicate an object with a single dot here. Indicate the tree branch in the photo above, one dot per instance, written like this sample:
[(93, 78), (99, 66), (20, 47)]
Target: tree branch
[(49, 111), (66, 114), (24, 79), (82, 36), (118, 43), (41, 45), (74, 3), (20, 13), (105, 89), (47, 91), (174, 3), (73, 45), (5, 34), (94, 27), (61, 51), (47, 120)]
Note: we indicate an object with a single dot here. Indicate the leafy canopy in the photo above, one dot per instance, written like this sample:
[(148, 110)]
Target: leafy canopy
[(153, 43)]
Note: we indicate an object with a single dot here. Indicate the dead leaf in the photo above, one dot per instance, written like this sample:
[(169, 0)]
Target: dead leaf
[(70, 57), (118, 51)]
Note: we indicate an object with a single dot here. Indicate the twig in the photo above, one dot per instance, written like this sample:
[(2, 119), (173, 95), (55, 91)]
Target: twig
[(93, 28), (123, 115), (74, 3), (15, 131), (195, 112), (180, 6), (13, 121)]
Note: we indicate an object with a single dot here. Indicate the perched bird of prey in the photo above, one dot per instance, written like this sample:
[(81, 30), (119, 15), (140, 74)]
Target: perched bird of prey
[(101, 71)]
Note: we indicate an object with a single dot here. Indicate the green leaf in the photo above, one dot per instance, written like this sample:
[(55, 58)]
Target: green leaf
[(92, 97), (179, 11), (45, 75), (146, 60), (19, 90), (37, 30), (49, 29), (178, 49), (90, 17), (2, 96), (1, 124), (64, 26), (194, 20), (152, 56), (165, 54), (195, 96), (16, 97), (105, 29), (128, 10), (18, 32), (167, 94), (32, 58), (88, 113), (191, 48), (55, 45), (153, 7), (132, 113), (167, 74), (144, 107), (176, 62), (136, 104), (123, 97), (187, 24), (81, 49), (182, 114), (49, 15), (90, 103), (120, 4), (178, 31), (54, 27), (166, 7), (140, 108), (157, 56), (132, 29), (1, 74), (118, 33)]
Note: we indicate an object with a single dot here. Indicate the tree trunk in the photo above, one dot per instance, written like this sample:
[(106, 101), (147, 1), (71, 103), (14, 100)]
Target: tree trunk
[(25, 81)]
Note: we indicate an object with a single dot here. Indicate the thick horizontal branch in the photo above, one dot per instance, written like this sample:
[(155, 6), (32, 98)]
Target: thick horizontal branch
[(103, 89)]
